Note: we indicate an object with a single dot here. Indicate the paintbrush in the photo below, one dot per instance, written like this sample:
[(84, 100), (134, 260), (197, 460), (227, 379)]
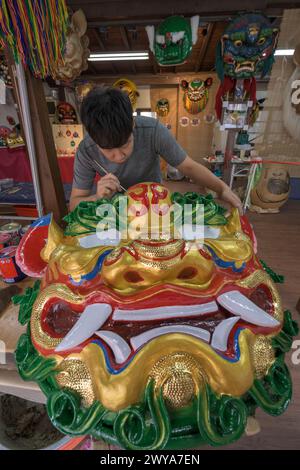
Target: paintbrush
[(106, 172)]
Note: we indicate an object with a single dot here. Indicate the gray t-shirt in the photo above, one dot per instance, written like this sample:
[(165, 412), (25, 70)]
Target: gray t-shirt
[(151, 140)]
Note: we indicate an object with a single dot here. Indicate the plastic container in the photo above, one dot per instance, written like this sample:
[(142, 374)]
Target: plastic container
[(13, 229), (9, 270)]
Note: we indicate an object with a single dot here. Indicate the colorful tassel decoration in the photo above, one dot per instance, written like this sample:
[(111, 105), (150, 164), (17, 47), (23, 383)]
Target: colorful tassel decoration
[(35, 30)]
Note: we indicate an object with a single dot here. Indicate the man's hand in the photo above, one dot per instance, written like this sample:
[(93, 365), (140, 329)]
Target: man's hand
[(228, 196), (107, 186)]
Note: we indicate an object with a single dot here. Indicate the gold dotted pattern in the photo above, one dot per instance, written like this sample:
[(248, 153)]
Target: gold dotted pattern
[(261, 277), (164, 264), (59, 291), (74, 375), (164, 250), (179, 375), (262, 354)]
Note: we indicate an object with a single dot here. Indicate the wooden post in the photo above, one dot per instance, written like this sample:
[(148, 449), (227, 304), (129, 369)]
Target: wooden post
[(229, 154), (52, 190)]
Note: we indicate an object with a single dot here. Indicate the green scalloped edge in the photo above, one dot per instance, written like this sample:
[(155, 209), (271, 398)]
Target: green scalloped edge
[(84, 215)]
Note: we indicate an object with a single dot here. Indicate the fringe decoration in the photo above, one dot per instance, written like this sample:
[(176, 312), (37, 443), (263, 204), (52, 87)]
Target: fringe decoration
[(35, 30)]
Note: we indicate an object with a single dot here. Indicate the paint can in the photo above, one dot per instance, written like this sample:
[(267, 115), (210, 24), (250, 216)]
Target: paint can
[(9, 269), (24, 230), (4, 240), (14, 230)]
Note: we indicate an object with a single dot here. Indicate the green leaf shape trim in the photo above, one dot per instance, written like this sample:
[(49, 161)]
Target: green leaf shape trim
[(26, 302), (284, 340), (221, 420), (213, 213), (277, 278), (273, 393)]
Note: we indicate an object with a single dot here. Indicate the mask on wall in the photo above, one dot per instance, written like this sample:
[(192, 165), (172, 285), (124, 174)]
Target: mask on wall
[(195, 96), (4, 72), (65, 113), (76, 49), (246, 50), (272, 189), (178, 339), (129, 88), (172, 41), (83, 89), (247, 47), (162, 107)]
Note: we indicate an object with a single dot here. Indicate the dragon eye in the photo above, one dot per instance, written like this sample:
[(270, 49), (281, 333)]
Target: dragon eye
[(261, 41), (238, 43)]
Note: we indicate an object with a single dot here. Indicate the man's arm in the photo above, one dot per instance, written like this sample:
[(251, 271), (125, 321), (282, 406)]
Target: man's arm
[(204, 177), (78, 195), (106, 187), (167, 146)]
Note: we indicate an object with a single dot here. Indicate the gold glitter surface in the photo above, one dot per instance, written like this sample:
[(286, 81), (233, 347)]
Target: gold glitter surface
[(262, 354), (163, 264), (179, 375), (261, 277), (74, 375), (164, 250), (59, 291)]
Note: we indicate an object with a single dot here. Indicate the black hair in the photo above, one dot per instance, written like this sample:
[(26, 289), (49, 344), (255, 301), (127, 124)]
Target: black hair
[(106, 113)]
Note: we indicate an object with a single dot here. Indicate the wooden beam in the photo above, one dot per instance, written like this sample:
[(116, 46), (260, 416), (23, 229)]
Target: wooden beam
[(114, 68), (99, 39), (204, 47), (164, 78), (93, 68), (153, 62), (101, 11), (125, 39), (103, 49)]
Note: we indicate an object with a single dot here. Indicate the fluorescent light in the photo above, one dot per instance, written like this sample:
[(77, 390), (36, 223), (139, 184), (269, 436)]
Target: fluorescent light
[(106, 59), (284, 51), (118, 56)]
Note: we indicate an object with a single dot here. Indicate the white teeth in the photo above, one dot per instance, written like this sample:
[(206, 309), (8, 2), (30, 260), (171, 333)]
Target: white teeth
[(91, 319), (117, 344), (221, 333), (143, 338), (240, 305), (160, 313), (211, 232), (106, 238)]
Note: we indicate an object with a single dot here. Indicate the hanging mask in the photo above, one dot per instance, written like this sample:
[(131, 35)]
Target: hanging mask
[(195, 96), (130, 88), (66, 114), (162, 107), (172, 41), (247, 47)]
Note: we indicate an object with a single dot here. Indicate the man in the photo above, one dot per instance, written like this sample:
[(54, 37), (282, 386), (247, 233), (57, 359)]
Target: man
[(129, 149)]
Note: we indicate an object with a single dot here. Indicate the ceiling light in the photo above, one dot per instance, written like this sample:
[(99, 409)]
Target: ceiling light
[(284, 51), (119, 56)]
